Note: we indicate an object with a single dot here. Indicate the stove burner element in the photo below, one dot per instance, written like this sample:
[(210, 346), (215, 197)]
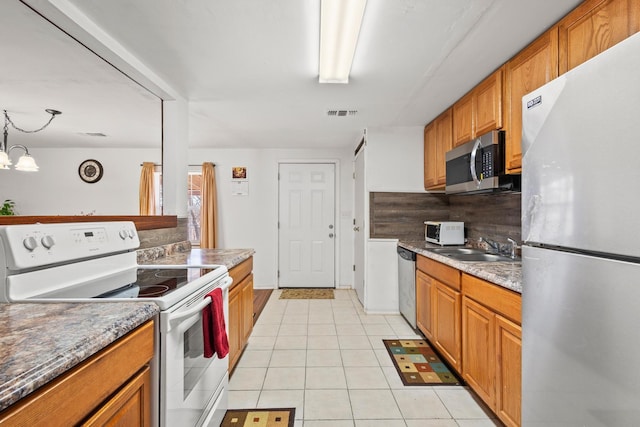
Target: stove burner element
[(153, 290)]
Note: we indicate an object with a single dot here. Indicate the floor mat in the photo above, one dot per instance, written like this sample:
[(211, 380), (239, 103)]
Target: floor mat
[(281, 417), (307, 293), (418, 364)]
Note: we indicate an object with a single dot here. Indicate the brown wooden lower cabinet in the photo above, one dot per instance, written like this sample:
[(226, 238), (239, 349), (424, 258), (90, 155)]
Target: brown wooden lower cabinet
[(478, 324), (492, 346), (475, 326), (247, 307), (438, 303), (447, 324), (424, 304), (240, 309), (509, 371), (112, 387), (235, 322)]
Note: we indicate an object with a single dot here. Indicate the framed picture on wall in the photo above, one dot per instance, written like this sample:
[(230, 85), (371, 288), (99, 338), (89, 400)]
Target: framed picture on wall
[(239, 172)]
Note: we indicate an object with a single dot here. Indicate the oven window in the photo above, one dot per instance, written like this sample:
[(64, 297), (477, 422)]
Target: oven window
[(195, 364)]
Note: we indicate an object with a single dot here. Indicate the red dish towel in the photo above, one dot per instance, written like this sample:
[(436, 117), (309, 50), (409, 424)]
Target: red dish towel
[(213, 327)]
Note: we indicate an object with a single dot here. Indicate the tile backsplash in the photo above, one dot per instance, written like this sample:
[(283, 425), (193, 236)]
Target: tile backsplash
[(402, 215), (495, 216)]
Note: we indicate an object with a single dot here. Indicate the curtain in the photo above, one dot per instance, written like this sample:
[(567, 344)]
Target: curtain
[(147, 192), (209, 208)]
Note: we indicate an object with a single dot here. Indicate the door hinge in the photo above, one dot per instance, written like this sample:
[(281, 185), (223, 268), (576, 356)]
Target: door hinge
[(278, 274), (354, 267), (354, 175), (278, 176)]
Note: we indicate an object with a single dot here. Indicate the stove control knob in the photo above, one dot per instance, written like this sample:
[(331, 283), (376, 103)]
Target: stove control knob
[(123, 234), (48, 241), (30, 243), (132, 234)]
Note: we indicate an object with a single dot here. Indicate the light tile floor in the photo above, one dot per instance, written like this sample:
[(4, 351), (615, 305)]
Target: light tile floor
[(326, 359)]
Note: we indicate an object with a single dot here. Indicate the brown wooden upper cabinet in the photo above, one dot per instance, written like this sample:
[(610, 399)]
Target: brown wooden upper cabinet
[(479, 111), (430, 179), (589, 29), (534, 66), (593, 27), (438, 139), (463, 120)]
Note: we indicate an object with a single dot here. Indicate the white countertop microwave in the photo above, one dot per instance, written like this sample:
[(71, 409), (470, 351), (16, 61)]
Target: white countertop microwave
[(444, 232)]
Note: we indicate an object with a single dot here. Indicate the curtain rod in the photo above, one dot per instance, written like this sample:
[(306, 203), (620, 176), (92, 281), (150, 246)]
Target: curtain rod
[(160, 164)]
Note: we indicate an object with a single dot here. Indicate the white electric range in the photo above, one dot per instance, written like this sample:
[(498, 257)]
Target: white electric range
[(96, 262)]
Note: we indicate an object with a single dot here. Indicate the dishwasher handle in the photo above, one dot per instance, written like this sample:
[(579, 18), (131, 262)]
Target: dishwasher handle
[(406, 254)]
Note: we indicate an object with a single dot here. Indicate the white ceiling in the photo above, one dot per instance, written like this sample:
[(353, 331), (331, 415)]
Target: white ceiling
[(249, 68)]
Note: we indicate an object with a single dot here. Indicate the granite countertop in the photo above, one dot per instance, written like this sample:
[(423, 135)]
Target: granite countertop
[(505, 274), (227, 257), (38, 342)]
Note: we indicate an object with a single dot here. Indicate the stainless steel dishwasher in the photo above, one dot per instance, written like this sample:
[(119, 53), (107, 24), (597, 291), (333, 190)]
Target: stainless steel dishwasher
[(407, 284)]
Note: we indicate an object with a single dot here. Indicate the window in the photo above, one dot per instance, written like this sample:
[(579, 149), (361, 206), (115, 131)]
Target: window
[(157, 187), (194, 202)]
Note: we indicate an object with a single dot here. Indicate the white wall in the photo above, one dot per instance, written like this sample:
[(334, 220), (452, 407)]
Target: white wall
[(395, 160), (251, 221), (56, 189)]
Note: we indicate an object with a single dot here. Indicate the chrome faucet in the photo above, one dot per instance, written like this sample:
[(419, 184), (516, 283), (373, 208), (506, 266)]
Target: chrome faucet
[(514, 246), (491, 243), (497, 248)]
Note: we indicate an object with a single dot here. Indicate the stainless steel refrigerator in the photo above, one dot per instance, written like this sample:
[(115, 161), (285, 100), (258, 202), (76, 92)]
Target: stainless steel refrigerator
[(581, 258)]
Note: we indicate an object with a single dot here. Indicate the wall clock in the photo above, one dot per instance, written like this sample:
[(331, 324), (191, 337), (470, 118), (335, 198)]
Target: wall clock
[(90, 171)]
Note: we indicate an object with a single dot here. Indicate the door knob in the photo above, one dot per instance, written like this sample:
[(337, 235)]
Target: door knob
[(330, 235), (356, 228)]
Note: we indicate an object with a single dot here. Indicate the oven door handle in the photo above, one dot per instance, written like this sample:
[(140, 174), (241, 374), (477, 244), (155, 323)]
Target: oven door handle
[(200, 306)]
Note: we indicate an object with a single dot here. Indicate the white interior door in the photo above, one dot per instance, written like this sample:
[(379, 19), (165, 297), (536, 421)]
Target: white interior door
[(306, 233), (358, 227)]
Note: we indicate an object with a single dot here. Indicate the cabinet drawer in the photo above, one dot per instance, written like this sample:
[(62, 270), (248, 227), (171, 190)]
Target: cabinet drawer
[(445, 274), (498, 299), (241, 271)]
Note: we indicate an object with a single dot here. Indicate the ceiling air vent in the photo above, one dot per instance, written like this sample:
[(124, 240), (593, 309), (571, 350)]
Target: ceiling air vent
[(341, 113)]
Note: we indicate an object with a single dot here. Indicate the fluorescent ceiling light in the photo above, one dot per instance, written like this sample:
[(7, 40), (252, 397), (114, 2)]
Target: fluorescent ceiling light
[(340, 22)]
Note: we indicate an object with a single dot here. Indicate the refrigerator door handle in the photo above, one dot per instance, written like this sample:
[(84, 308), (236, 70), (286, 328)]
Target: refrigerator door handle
[(472, 162)]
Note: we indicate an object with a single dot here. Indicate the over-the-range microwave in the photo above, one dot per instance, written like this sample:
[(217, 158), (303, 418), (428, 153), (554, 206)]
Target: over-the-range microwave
[(478, 166), (444, 232)]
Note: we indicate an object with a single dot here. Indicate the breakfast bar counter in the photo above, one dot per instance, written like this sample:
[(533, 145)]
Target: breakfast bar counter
[(39, 342)]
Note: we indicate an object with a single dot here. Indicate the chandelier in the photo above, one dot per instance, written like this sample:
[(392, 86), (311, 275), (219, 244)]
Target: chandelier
[(25, 162)]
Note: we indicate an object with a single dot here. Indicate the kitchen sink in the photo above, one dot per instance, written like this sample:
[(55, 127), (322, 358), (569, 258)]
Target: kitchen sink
[(456, 251), (471, 254), (481, 257)]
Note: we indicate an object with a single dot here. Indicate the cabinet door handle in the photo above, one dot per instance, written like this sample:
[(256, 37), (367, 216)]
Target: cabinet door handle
[(472, 161)]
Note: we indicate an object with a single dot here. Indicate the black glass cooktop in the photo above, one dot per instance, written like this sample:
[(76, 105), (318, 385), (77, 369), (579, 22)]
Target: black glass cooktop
[(133, 283), (155, 283)]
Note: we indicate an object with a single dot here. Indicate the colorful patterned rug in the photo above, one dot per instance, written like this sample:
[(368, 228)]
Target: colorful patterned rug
[(282, 417), (307, 293), (418, 364)]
